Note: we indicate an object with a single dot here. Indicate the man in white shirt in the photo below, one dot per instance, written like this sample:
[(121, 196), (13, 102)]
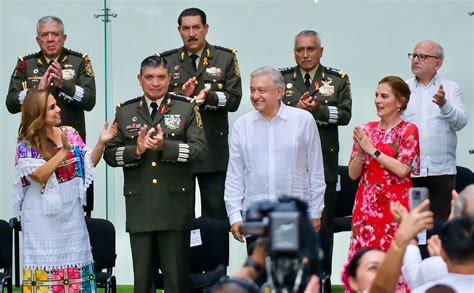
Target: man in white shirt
[(275, 150), (436, 107)]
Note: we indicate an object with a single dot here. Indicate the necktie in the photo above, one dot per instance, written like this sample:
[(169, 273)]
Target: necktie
[(193, 60), (306, 81), (154, 106)]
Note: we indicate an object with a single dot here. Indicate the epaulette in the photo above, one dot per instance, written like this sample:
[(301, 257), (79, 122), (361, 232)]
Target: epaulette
[(334, 71), (225, 49), (29, 56), (129, 102), (75, 53), (182, 98), (166, 53), (285, 70)]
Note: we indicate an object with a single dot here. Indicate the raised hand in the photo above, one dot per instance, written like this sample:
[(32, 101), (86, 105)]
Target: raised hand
[(201, 97), (439, 97), (145, 140), (56, 74), (363, 140), (159, 141), (107, 133), (188, 87), (64, 141), (45, 80)]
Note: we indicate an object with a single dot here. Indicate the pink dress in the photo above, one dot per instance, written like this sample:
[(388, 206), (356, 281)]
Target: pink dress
[(372, 223)]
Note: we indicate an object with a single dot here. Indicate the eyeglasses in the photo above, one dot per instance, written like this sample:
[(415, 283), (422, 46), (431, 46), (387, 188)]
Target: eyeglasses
[(421, 57)]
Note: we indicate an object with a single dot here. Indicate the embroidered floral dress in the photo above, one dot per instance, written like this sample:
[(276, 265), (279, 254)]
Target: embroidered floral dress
[(372, 223), (57, 254)]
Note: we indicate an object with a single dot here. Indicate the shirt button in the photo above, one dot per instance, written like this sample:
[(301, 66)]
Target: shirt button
[(153, 164), (155, 181)]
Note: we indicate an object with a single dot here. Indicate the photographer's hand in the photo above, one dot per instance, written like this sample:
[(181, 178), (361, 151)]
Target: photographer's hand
[(234, 229)]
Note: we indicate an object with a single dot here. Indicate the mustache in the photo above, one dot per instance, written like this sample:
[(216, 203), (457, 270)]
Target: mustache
[(192, 39)]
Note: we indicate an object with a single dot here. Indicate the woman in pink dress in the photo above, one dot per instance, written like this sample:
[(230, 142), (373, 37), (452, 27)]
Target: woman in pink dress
[(384, 155)]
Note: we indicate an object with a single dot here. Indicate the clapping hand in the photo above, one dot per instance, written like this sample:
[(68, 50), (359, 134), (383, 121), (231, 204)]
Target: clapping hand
[(202, 96), (308, 102), (362, 141), (439, 97), (107, 133), (188, 87), (64, 141), (56, 74)]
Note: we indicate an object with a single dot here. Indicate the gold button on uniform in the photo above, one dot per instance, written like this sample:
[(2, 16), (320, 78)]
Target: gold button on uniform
[(326, 101), (183, 189), (172, 134), (130, 192), (155, 181), (153, 164)]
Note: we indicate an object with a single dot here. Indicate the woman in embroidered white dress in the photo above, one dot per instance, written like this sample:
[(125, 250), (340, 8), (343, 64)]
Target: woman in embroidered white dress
[(53, 170)]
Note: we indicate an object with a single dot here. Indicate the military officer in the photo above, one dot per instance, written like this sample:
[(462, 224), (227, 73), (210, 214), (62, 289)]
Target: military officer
[(212, 74), (159, 134), (326, 93), (67, 74)]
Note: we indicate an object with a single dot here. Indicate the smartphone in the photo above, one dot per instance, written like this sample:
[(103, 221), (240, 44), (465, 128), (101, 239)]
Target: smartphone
[(417, 195)]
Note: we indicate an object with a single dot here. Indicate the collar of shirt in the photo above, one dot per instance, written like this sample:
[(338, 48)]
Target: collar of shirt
[(434, 82), (282, 114), (312, 72), (199, 54), (149, 101)]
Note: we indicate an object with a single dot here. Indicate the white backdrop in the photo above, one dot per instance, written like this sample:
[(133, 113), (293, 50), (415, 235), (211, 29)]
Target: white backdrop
[(368, 39)]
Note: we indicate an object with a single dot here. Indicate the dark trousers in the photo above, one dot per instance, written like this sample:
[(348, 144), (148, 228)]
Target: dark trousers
[(440, 188), (212, 194), (165, 250), (327, 233)]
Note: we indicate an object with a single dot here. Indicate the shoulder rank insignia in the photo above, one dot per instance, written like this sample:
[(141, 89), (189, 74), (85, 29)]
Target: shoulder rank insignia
[(166, 53), (335, 71), (29, 56), (128, 102), (72, 52), (182, 98), (285, 70), (233, 51)]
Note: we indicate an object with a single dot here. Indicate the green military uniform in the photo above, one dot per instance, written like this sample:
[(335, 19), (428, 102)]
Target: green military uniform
[(218, 71), (334, 109), (76, 95), (158, 187)]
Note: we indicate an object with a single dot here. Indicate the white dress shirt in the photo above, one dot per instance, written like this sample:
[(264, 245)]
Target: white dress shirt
[(437, 125), (269, 159)]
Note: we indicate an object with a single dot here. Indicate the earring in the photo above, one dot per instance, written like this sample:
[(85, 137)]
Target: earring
[(398, 109)]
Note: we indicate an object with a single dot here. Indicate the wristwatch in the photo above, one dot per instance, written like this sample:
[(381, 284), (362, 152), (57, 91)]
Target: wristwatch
[(376, 154)]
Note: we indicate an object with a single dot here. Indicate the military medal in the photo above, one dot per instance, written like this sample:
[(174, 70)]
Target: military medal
[(289, 85), (35, 71), (134, 118), (172, 121), (327, 89)]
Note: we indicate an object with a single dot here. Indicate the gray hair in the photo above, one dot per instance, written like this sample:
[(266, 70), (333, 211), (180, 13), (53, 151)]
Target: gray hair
[(276, 76), (49, 18), (464, 204), (309, 33), (439, 51)]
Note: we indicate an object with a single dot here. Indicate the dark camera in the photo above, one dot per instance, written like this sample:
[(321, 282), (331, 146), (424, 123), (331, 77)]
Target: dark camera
[(293, 245)]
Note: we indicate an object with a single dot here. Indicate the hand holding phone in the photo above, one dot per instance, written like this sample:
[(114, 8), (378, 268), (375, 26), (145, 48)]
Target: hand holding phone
[(416, 195)]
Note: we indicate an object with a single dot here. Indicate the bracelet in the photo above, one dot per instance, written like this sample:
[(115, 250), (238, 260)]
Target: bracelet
[(60, 146)]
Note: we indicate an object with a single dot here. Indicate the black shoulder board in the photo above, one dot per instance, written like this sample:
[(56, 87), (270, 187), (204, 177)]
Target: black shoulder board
[(29, 56), (182, 98), (166, 53), (334, 71), (75, 53), (226, 49), (285, 70), (129, 102)]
